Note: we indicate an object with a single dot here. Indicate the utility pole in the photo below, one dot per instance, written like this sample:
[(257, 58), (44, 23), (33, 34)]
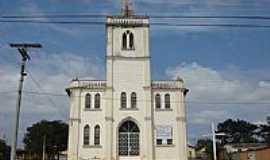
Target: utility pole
[(214, 134), (214, 141), (44, 148), (22, 48)]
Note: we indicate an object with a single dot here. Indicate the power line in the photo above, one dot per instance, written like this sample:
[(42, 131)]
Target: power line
[(210, 17), (190, 102), (155, 16), (40, 88), (162, 24), (7, 92), (211, 25), (45, 94), (82, 15), (53, 22)]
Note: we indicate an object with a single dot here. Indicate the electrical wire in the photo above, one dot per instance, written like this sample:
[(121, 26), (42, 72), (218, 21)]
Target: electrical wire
[(7, 92), (48, 96), (161, 24), (140, 100), (155, 16)]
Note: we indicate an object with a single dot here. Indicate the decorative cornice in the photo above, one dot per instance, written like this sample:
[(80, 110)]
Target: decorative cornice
[(127, 21), (129, 17), (93, 89), (126, 25), (167, 85), (128, 58), (168, 89)]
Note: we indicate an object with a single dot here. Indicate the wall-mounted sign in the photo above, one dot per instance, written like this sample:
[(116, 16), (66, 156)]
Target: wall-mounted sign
[(164, 132)]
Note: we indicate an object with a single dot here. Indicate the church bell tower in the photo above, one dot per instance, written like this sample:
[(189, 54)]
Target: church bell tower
[(128, 56), (128, 72)]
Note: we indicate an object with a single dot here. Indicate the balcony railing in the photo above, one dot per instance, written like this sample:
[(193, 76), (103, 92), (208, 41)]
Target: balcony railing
[(92, 84), (167, 84)]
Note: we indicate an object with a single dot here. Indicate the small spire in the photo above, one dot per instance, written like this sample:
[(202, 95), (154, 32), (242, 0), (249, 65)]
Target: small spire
[(178, 78), (127, 9)]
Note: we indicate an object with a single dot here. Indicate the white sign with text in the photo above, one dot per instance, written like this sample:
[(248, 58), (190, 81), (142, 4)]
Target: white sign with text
[(164, 132)]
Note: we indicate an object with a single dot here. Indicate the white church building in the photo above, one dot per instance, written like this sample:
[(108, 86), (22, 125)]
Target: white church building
[(127, 116)]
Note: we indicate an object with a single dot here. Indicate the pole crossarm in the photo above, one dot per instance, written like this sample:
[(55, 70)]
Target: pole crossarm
[(25, 45)]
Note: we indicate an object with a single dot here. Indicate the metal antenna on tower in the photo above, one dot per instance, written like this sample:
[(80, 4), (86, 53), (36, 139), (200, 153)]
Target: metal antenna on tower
[(127, 9)]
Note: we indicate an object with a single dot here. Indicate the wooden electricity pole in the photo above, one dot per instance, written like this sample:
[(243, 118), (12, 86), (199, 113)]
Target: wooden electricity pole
[(22, 48)]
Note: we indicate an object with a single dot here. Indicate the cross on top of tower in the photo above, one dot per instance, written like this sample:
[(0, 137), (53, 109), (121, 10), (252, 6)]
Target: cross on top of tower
[(127, 9)]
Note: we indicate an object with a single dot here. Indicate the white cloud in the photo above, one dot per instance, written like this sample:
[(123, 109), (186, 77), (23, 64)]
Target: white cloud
[(207, 116), (32, 8), (264, 84), (52, 72), (212, 97)]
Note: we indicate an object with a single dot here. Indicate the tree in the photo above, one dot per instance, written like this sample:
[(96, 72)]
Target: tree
[(55, 133), (207, 145), (4, 150), (238, 131), (265, 131)]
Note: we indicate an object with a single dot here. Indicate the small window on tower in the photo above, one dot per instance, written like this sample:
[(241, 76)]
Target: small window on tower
[(131, 41), (124, 41), (128, 41)]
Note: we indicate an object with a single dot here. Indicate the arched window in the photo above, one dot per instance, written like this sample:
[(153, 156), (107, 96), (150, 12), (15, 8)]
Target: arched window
[(123, 100), (158, 101), (133, 98), (86, 135), (167, 101), (124, 41), (97, 135), (88, 101), (127, 40), (97, 101), (131, 41)]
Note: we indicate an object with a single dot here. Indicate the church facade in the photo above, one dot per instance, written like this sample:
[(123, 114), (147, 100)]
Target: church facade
[(128, 116)]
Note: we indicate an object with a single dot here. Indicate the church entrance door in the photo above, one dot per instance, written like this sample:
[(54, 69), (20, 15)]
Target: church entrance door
[(129, 140)]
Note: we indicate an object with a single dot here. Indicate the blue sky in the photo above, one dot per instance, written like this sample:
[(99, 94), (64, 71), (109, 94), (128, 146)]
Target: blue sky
[(218, 64)]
